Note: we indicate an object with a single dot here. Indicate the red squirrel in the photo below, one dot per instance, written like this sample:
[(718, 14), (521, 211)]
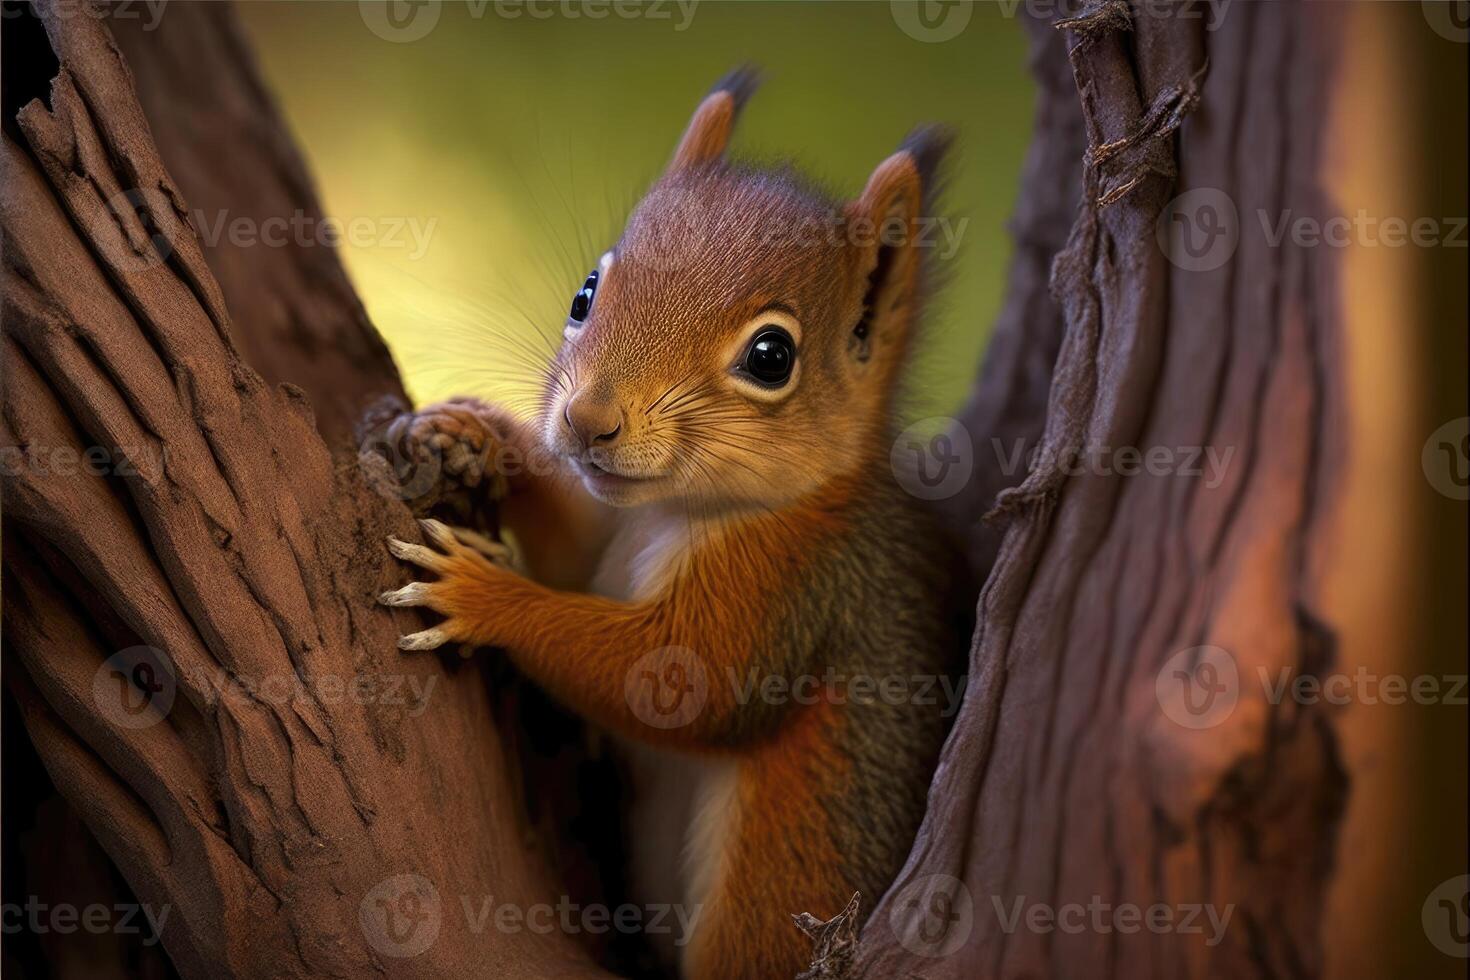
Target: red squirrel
[(724, 513)]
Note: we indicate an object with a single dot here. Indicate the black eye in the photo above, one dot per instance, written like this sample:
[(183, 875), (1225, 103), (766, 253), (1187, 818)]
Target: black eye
[(770, 357), (582, 302)]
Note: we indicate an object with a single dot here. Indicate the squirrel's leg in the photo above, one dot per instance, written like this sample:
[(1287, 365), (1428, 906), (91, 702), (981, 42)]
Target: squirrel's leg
[(674, 670)]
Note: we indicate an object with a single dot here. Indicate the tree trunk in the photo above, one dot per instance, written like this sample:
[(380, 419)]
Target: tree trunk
[(289, 820), (1118, 745), (295, 828)]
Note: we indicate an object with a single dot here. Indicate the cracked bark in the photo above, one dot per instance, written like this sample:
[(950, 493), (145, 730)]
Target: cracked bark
[(1063, 780), (242, 538)]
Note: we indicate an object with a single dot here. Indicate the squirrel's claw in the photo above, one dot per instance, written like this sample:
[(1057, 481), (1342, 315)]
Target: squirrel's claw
[(412, 594), (453, 554), (438, 533), (497, 551), (429, 639), (416, 554)]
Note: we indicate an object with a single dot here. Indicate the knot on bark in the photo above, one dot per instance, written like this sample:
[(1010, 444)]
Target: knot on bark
[(834, 942)]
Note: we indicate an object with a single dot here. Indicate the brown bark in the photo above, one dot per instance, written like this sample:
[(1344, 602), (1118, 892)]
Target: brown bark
[(268, 805), (1063, 779)]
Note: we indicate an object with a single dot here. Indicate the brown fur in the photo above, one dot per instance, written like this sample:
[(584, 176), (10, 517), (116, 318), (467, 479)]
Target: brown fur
[(771, 538)]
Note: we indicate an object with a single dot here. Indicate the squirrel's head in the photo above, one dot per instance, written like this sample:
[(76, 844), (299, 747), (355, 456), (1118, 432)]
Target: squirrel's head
[(740, 344)]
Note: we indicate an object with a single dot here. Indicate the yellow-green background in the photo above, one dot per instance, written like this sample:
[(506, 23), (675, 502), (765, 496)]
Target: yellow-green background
[(525, 140)]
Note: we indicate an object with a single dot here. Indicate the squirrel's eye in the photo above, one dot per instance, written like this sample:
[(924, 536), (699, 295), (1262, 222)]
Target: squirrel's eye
[(582, 302), (770, 357)]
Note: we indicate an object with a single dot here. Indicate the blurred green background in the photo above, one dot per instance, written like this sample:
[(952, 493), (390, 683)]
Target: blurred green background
[(510, 146)]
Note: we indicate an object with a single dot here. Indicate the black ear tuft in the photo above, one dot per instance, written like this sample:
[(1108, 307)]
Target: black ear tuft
[(928, 146), (708, 133), (741, 83)]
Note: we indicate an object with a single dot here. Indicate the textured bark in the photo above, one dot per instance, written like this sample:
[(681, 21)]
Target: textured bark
[(1063, 780), (296, 318), (234, 538)]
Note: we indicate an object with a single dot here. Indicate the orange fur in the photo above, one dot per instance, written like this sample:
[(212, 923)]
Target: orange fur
[(582, 647)]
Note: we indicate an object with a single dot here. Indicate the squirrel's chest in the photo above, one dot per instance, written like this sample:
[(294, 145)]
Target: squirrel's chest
[(642, 556)]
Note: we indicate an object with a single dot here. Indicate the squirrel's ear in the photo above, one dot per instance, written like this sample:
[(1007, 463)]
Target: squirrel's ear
[(882, 223), (899, 187), (709, 131)]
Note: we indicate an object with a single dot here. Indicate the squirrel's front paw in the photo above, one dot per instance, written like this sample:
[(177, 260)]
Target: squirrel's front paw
[(470, 566), (445, 449)]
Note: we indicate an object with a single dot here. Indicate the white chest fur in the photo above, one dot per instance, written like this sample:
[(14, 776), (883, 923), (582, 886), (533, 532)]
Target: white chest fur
[(643, 554), (684, 804)]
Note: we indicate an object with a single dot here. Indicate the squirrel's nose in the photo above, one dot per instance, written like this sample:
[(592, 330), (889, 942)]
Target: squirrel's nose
[(596, 421)]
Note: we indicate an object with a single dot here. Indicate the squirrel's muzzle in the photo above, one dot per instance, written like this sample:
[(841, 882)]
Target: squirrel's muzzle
[(596, 419)]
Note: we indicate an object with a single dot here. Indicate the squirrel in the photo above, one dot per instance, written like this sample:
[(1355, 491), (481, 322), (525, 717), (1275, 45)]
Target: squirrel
[(721, 567)]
